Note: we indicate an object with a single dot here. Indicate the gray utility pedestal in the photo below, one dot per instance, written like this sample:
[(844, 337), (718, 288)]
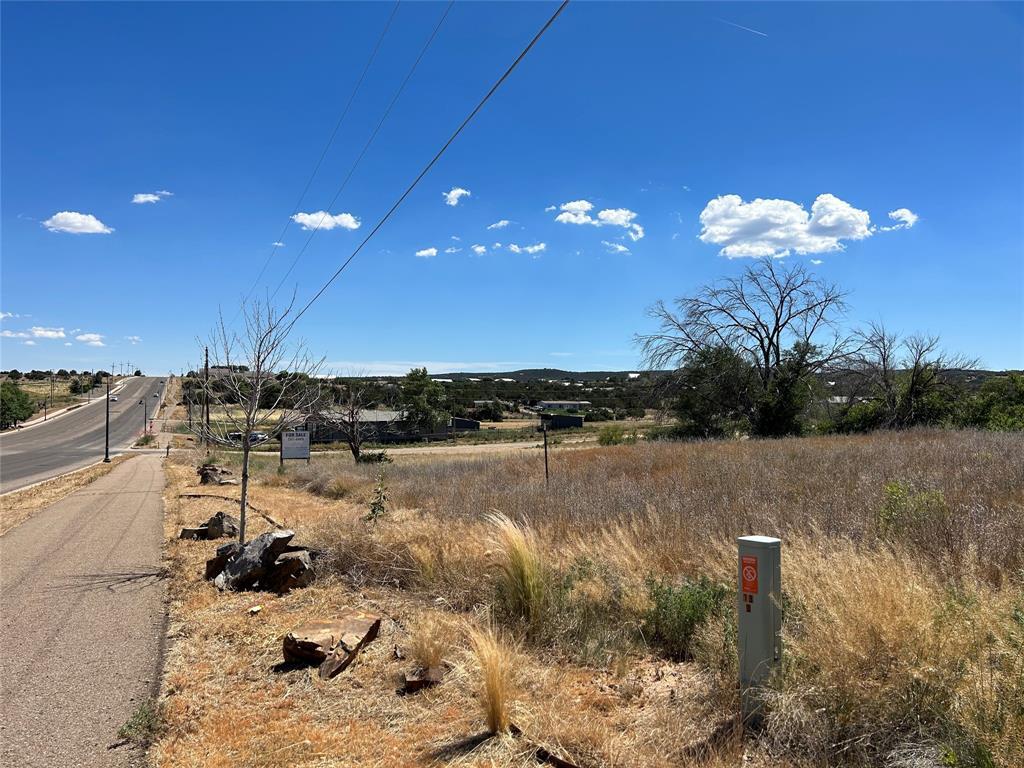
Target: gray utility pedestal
[(759, 582)]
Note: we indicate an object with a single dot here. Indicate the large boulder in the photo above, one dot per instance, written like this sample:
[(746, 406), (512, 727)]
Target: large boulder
[(253, 561)]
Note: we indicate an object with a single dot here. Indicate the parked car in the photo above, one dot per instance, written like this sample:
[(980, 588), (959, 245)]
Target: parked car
[(254, 439), (113, 398)]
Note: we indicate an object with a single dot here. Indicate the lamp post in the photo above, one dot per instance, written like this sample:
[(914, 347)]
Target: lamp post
[(106, 434), (145, 416)]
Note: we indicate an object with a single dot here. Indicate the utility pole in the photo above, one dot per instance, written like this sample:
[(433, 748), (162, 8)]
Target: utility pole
[(106, 434), (546, 454), (206, 393)]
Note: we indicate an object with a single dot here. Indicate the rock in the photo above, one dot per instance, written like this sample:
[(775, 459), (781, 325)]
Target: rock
[(220, 525), (216, 564), (253, 562), (292, 569), (423, 679), (211, 474), (333, 644), (201, 533)]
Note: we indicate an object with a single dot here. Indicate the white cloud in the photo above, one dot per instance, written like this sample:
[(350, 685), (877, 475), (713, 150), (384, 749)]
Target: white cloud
[(326, 221), (452, 249), (578, 212), (479, 250), (13, 334), (499, 224), (495, 246), (775, 227), (456, 238), (133, 339), (29, 343), (5, 315), (427, 253), (277, 244), (76, 223), (46, 333), (91, 339), (531, 249), (151, 197), (551, 208), (68, 344), (817, 262), (615, 247), (453, 196), (905, 218)]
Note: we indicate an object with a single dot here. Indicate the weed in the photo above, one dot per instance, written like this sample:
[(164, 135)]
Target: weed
[(144, 725)]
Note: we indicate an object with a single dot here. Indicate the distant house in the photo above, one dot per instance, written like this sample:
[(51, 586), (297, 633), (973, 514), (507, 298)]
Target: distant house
[(563, 405), (460, 424), (560, 421), (377, 426)]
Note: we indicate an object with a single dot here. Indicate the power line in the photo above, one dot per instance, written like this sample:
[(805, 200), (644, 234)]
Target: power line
[(433, 160), (327, 146), (373, 135)]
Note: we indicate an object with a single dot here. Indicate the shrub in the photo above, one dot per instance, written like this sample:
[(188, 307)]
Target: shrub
[(905, 510), (373, 457), (615, 434), (678, 611)]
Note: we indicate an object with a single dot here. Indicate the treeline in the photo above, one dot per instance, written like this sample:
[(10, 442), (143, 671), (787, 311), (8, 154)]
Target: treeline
[(486, 400), (762, 354)]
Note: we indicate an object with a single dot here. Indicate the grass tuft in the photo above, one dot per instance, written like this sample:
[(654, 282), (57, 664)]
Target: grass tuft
[(494, 659), (521, 585)]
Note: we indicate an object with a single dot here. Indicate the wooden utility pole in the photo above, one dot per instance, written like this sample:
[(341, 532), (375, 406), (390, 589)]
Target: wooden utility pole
[(206, 393)]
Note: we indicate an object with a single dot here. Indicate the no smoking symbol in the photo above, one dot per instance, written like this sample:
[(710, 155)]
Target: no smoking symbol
[(749, 573)]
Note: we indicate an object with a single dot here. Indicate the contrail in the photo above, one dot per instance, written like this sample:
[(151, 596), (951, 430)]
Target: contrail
[(740, 26)]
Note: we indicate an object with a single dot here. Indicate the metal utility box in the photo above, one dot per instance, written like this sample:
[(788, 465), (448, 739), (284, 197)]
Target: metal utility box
[(759, 603)]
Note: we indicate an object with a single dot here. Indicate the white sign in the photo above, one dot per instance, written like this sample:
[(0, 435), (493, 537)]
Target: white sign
[(295, 445)]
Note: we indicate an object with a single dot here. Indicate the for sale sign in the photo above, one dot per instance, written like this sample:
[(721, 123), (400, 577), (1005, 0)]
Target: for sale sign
[(748, 575), (294, 445)]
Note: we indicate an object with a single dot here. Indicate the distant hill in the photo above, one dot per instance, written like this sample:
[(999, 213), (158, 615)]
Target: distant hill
[(540, 374)]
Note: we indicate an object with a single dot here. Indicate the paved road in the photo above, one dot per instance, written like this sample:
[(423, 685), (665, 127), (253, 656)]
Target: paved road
[(75, 439), (81, 621)]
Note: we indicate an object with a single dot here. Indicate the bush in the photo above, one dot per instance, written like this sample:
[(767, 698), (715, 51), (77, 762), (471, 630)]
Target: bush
[(905, 510), (615, 434), (679, 611), (373, 457)]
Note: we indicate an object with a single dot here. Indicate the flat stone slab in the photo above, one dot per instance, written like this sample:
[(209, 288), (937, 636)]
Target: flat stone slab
[(331, 643)]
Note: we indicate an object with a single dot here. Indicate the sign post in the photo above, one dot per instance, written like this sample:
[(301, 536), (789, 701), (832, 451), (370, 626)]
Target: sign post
[(759, 603), (294, 445)]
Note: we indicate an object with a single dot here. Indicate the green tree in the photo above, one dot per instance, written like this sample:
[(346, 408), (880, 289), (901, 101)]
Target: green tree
[(712, 393), (15, 404), (780, 321), (14, 374), (423, 401)]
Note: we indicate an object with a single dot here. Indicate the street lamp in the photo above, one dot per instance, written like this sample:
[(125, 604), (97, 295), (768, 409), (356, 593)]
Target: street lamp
[(145, 416), (106, 434)]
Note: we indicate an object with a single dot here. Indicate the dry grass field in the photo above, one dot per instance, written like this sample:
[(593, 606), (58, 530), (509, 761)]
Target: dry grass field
[(597, 614)]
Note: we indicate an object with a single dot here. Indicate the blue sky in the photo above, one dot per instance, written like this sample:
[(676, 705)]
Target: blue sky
[(649, 147)]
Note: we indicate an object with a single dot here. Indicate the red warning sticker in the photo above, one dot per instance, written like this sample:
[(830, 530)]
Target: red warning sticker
[(748, 575)]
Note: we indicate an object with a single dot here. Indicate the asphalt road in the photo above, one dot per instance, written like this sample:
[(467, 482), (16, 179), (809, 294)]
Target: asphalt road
[(81, 621), (75, 439)]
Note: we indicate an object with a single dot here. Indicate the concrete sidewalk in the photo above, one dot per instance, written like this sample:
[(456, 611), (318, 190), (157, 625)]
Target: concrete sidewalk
[(82, 621)]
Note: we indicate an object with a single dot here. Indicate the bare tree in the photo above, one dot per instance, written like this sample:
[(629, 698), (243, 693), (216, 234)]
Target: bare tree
[(262, 382), (348, 415), (780, 320), (903, 375)]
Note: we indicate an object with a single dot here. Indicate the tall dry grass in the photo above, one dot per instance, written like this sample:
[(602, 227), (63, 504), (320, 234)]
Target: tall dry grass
[(495, 663), (902, 571)]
